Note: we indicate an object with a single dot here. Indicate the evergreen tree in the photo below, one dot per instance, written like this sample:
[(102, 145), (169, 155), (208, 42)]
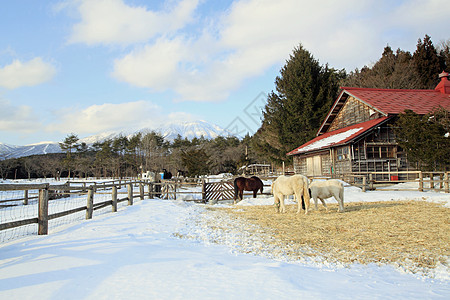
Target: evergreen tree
[(392, 71), (443, 50), (196, 162), (304, 93), (425, 138), (68, 145), (427, 63)]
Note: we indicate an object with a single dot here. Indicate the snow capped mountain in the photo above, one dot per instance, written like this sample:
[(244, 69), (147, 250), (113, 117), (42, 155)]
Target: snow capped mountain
[(32, 149), (192, 130), (5, 149), (99, 137), (187, 130)]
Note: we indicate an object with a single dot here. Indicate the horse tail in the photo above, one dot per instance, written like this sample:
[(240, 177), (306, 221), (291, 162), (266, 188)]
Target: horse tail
[(306, 190), (236, 189), (262, 185)]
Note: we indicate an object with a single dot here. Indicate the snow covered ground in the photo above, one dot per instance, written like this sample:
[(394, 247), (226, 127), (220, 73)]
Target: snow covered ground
[(137, 254)]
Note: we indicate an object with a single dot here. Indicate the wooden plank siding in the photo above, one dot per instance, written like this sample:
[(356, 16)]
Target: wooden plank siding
[(376, 151), (373, 146), (353, 112)]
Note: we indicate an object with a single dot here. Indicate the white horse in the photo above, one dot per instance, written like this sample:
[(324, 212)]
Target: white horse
[(325, 189), (296, 185)]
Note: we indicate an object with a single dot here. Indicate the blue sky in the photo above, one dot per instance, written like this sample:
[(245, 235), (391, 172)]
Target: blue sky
[(93, 66)]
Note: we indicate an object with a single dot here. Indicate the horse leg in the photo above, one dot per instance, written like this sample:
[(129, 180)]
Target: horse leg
[(323, 202), (341, 195), (276, 203), (341, 204), (299, 201), (306, 198), (254, 193), (282, 207)]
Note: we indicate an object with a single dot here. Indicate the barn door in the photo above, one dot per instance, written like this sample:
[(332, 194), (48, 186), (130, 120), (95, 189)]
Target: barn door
[(317, 166), (314, 166), (309, 166)]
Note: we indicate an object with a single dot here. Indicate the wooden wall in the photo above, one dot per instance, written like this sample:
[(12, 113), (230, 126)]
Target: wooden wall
[(353, 112), (376, 151)]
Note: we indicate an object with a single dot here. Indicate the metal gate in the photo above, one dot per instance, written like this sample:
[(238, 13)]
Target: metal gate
[(217, 191)]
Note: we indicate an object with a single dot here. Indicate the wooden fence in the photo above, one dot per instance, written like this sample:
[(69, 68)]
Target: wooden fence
[(437, 181), (45, 193), (210, 192), (218, 191), (60, 191)]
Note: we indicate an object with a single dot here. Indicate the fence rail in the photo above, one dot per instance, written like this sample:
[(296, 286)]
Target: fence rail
[(42, 208), (41, 199), (438, 181)]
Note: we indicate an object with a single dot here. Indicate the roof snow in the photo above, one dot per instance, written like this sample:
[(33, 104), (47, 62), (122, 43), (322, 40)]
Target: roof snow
[(333, 139)]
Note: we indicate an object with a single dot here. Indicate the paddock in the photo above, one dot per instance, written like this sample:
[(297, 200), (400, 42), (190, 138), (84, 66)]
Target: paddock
[(409, 234)]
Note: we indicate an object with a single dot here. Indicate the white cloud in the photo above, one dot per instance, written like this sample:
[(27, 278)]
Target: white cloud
[(20, 119), (114, 22), (30, 73), (213, 57), (108, 117), (152, 66), (247, 40)]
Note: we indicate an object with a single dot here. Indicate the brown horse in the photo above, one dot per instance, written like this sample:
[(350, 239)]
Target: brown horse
[(249, 184)]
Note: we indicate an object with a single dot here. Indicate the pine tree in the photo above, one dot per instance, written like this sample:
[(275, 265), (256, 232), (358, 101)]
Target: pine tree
[(443, 50), (427, 63), (425, 138), (392, 71), (196, 162), (68, 145), (304, 93)]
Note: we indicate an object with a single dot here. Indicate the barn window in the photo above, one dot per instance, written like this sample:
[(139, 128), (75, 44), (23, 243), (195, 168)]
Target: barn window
[(342, 153), (380, 152)]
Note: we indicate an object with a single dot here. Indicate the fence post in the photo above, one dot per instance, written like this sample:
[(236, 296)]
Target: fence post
[(114, 198), (364, 184), (204, 190), (90, 203), (43, 212), (432, 181), (175, 190), (141, 190), (420, 181), (371, 181), (130, 194), (150, 190), (25, 197), (446, 180)]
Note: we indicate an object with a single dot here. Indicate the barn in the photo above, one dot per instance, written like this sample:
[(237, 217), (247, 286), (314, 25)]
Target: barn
[(356, 136)]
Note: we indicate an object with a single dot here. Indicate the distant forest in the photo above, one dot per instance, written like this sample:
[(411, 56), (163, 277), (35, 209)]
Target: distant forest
[(305, 91)]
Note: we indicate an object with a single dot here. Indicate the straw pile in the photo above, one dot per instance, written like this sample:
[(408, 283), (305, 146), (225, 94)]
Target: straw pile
[(412, 235)]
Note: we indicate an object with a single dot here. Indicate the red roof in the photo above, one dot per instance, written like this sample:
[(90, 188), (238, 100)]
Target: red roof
[(385, 101), (337, 137), (391, 101)]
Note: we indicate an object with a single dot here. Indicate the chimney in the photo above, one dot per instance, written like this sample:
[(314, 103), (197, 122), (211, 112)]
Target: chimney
[(443, 86)]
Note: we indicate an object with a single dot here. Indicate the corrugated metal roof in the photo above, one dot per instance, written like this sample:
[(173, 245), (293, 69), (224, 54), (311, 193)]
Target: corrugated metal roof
[(391, 101), (337, 137)]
